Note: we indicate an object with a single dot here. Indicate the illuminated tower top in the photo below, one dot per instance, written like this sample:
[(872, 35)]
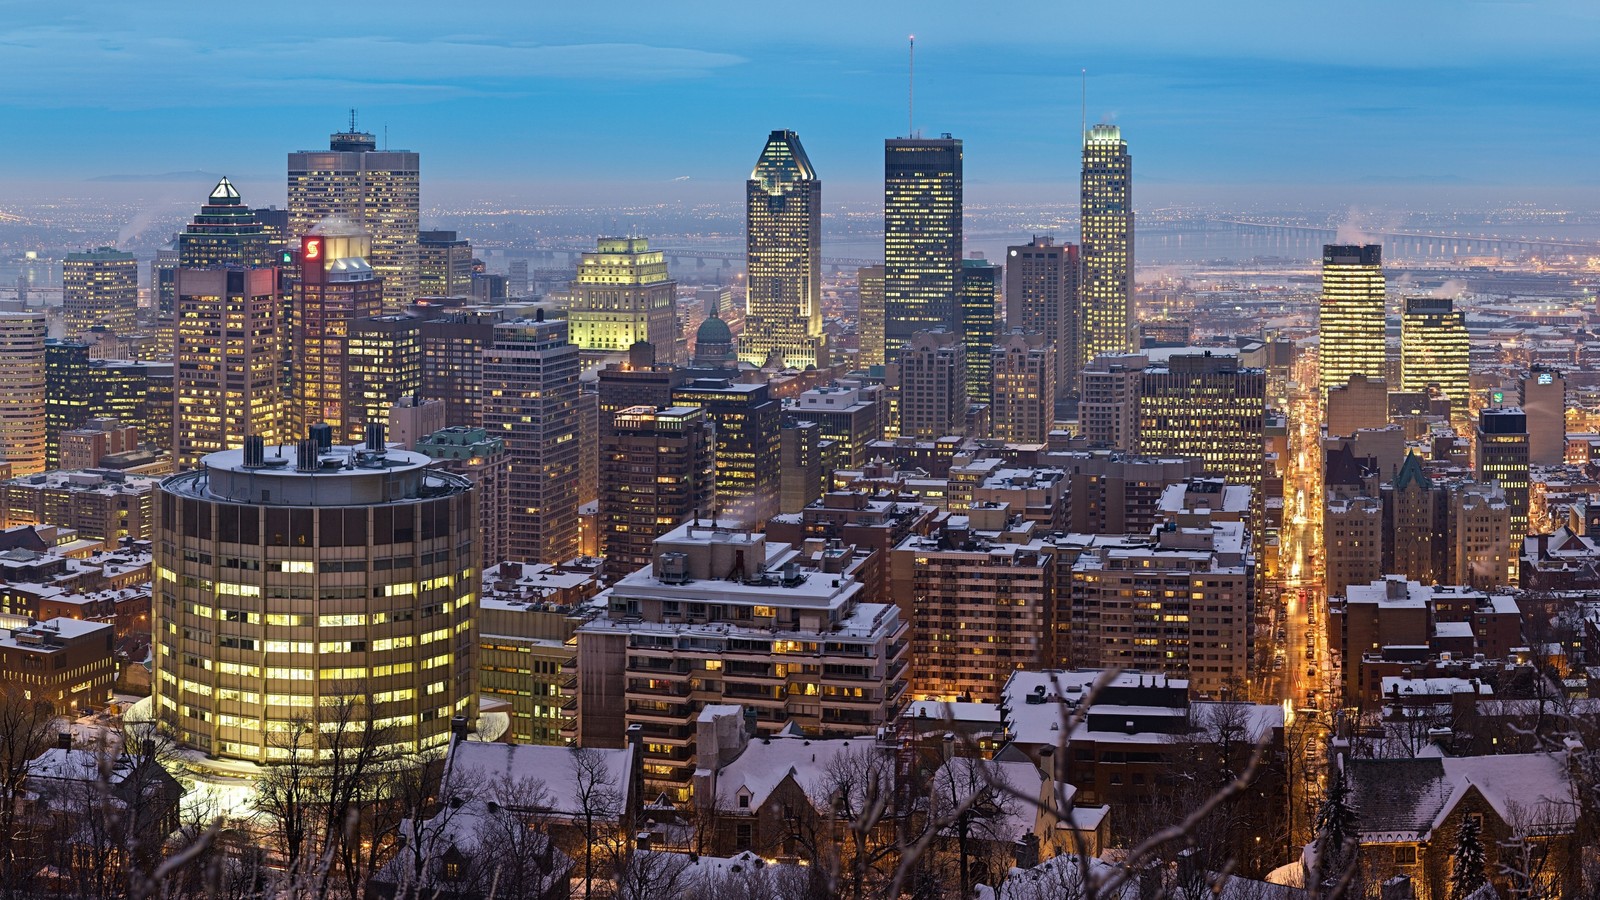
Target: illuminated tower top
[(1351, 315), (783, 316), (224, 233), (1107, 251), (922, 238)]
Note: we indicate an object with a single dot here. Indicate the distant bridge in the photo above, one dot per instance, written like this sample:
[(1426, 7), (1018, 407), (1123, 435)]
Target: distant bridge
[(726, 257), (1420, 243)]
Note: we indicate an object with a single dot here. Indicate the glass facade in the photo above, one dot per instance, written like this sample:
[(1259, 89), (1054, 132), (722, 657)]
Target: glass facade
[(1351, 317), (783, 252), (922, 184), (1107, 245), (278, 612)]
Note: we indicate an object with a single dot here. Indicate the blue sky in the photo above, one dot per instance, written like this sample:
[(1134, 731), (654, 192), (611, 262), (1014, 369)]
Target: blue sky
[(672, 100)]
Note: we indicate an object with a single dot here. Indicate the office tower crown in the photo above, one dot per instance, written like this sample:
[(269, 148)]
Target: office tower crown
[(225, 194), (783, 161)]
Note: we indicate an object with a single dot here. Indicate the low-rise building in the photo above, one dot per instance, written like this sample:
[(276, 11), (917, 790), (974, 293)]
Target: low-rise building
[(528, 616), (102, 504), (66, 663)]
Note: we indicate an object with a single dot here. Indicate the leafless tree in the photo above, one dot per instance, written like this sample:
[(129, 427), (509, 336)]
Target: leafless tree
[(600, 804), (972, 799), (650, 875), (27, 729)]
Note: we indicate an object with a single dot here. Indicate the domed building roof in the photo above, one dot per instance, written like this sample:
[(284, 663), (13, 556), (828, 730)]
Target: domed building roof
[(715, 331), (713, 344)]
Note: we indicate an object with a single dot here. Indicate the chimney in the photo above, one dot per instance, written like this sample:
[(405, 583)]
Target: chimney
[(64, 740), (458, 728), (322, 432)]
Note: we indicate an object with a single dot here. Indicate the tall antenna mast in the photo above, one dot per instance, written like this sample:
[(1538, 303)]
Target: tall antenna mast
[(1083, 105), (352, 120), (911, 87)]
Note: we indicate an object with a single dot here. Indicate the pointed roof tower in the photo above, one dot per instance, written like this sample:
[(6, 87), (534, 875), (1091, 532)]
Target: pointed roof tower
[(783, 161), (225, 194), (1411, 471)]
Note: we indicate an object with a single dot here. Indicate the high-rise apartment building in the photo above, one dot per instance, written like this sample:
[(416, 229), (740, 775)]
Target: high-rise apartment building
[(337, 287), (480, 458), (983, 596), (783, 251), (224, 233), (444, 265), (1434, 350), (850, 415), (1042, 296), (1542, 395), (346, 576), (1502, 456), (22, 392), (384, 364), (378, 191), (227, 369), (99, 289), (747, 421), (1106, 293), (1109, 411), (452, 362), (623, 295), (869, 316), (1208, 406), (637, 381), (980, 296), (933, 386), (1351, 315), (656, 473), (1023, 410), (783, 633), (530, 384), (1183, 606), (922, 234)]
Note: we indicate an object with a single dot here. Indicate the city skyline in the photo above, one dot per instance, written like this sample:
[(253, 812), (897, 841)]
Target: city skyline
[(1200, 90)]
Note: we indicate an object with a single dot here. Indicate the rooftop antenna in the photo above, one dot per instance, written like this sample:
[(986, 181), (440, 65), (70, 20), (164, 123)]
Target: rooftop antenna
[(386, 137), (1083, 104), (352, 120), (911, 87)]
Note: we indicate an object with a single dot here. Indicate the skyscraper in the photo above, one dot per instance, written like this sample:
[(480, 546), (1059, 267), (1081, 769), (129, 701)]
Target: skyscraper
[(100, 288), (1351, 316), (275, 612), (444, 265), (1206, 406), (869, 316), (747, 421), (376, 190), (980, 293), (933, 386), (1024, 387), (1042, 296), (623, 295), (783, 250), (384, 364), (224, 233), (530, 386), (1502, 457), (1434, 350), (1107, 223), (337, 287), (227, 372), (1542, 394), (22, 392), (656, 470), (922, 237)]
